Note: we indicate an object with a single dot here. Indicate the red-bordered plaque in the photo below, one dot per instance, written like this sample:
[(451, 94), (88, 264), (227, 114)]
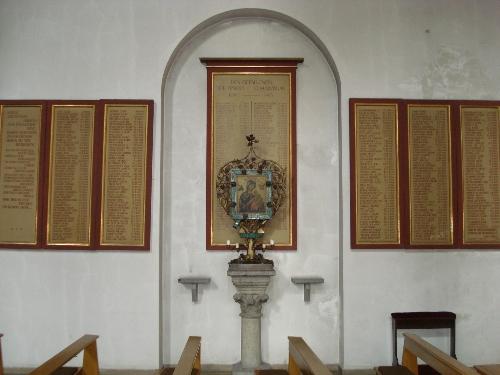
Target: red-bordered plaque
[(251, 96), (22, 134), (124, 191), (479, 177), (375, 174), (448, 157), (70, 146)]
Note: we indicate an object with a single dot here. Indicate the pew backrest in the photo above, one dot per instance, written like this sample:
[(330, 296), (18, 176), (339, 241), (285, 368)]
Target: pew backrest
[(415, 347), (87, 344), (190, 361), (302, 359)]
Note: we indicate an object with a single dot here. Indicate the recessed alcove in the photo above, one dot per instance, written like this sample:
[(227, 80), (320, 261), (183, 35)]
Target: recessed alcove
[(250, 33)]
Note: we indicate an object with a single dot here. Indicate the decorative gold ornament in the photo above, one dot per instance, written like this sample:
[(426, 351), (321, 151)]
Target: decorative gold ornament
[(251, 190)]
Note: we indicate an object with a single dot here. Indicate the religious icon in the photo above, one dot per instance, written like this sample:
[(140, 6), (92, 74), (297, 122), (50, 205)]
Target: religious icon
[(251, 190), (251, 194)]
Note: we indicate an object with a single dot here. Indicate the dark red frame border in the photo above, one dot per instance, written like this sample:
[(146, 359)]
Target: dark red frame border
[(252, 65)]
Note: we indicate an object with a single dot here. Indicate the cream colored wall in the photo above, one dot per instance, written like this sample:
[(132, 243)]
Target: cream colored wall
[(119, 49)]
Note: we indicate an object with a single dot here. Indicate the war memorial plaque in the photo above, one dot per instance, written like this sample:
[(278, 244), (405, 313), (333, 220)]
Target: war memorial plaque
[(430, 175), (125, 163), (258, 99), (376, 174), (20, 145), (69, 214), (480, 154)]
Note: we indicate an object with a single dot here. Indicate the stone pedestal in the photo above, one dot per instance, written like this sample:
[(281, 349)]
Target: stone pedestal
[(251, 281)]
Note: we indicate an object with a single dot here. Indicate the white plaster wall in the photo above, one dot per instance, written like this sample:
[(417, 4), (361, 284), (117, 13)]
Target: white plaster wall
[(119, 49), (216, 316)]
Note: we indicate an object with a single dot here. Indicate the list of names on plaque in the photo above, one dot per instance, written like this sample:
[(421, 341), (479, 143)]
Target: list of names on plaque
[(376, 154), (70, 179), (257, 104), (124, 175), (480, 132), (431, 208), (20, 133)]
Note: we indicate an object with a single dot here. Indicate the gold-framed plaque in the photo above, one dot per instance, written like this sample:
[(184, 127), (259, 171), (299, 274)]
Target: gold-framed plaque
[(430, 175), (375, 216), (251, 97), (480, 175), (70, 182), (126, 172), (20, 157)]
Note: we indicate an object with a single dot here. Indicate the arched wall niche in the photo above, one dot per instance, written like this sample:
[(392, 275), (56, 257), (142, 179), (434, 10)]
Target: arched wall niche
[(250, 33)]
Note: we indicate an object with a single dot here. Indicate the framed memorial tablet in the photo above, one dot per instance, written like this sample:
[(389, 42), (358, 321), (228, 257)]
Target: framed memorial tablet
[(431, 203), (480, 175), (449, 168), (375, 200), (125, 190), (70, 195), (251, 96), (21, 166)]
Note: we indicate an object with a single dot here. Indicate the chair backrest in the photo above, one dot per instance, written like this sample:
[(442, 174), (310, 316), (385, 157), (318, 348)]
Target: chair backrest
[(415, 347), (190, 361), (90, 366), (302, 359)]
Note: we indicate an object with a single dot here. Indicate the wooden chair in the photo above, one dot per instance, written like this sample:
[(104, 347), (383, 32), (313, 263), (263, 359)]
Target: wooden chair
[(414, 348), (422, 320), (87, 344), (190, 361)]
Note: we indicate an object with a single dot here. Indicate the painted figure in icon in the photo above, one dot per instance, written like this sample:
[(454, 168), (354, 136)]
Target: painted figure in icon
[(251, 200)]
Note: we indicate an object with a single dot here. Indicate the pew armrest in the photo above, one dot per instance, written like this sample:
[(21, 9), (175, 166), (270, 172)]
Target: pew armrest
[(87, 344), (415, 347), (190, 361), (303, 360)]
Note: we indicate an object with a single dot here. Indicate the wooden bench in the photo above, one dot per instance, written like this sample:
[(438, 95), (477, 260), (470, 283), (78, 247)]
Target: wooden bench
[(301, 360), (190, 361), (87, 344), (414, 348), (488, 369)]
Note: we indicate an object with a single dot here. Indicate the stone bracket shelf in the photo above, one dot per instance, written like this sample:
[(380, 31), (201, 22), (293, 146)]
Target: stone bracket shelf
[(307, 281), (193, 283)]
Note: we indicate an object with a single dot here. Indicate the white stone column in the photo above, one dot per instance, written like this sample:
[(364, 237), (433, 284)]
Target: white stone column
[(251, 281)]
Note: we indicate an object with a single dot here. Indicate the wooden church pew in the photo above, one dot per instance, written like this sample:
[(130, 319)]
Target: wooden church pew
[(87, 344), (190, 361), (415, 348), (488, 369), (301, 360)]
